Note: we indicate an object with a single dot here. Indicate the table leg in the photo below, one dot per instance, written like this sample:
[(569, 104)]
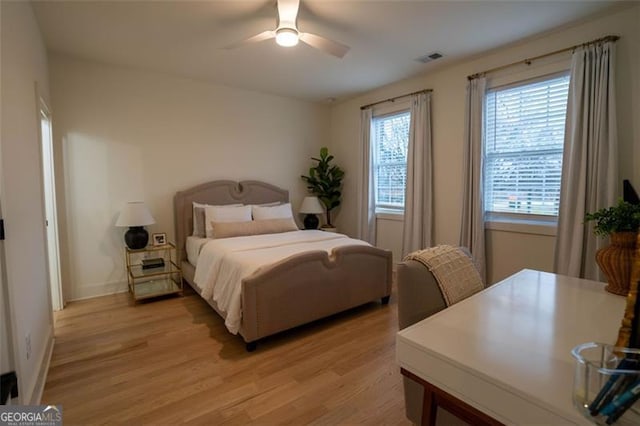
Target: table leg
[(435, 397)]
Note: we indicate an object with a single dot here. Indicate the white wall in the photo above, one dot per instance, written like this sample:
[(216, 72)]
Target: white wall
[(123, 135), (507, 252), (389, 234), (24, 62)]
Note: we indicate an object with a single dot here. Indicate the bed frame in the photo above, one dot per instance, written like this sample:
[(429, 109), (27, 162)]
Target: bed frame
[(296, 290)]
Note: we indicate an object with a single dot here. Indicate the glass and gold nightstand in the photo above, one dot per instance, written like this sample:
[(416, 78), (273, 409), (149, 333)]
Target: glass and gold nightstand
[(156, 281)]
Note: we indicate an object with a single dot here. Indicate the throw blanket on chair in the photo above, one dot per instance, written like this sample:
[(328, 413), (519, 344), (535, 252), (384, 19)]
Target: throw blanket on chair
[(454, 271)]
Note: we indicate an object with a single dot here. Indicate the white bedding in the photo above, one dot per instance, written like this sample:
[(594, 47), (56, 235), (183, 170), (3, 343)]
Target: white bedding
[(194, 245), (223, 263)]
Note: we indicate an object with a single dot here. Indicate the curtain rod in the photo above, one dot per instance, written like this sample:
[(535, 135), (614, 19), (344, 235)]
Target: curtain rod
[(529, 60), (396, 97)]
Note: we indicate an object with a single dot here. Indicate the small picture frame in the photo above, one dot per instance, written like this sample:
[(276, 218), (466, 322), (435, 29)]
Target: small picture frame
[(159, 239)]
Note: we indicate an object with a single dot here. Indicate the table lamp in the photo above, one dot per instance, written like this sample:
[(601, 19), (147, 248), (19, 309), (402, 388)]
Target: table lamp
[(135, 215), (312, 207)]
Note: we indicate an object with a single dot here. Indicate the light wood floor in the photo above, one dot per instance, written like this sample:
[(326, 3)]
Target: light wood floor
[(173, 361)]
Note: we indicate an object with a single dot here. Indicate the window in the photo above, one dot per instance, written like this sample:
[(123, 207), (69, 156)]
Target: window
[(523, 141), (390, 143)]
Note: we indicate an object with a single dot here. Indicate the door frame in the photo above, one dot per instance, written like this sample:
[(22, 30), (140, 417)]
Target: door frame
[(52, 247)]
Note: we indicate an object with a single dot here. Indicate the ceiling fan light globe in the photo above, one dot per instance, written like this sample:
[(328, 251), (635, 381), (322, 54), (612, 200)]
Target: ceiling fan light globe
[(287, 37)]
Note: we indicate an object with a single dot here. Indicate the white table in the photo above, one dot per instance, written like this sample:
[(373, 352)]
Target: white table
[(506, 351)]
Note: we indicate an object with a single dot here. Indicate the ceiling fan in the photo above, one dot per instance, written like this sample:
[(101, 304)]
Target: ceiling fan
[(287, 34)]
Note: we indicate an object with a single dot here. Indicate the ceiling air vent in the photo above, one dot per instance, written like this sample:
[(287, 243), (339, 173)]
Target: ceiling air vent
[(430, 57)]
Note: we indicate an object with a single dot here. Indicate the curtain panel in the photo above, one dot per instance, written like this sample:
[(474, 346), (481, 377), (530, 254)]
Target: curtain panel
[(418, 201), (590, 158), (366, 187), (472, 220)]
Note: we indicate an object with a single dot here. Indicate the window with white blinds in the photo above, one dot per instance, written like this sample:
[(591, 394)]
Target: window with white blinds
[(390, 140), (523, 141)]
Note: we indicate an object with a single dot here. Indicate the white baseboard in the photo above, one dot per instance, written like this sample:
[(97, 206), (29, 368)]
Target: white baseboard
[(38, 388), (96, 290)]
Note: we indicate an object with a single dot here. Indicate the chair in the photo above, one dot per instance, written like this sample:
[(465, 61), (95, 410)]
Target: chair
[(419, 297)]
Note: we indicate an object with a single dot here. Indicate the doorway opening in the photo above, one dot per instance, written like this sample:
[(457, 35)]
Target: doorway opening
[(51, 218)]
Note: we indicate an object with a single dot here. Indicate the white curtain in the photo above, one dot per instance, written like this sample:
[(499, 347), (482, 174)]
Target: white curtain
[(418, 201), (590, 159), (472, 224), (366, 204)]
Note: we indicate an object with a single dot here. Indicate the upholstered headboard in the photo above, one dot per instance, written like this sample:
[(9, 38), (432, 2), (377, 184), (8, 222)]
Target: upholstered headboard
[(219, 192)]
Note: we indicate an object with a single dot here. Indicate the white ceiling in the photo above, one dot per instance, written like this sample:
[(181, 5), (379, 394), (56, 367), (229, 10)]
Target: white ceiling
[(186, 38)]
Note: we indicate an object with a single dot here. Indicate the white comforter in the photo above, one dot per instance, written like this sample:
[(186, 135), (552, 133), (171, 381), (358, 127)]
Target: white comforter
[(223, 263)]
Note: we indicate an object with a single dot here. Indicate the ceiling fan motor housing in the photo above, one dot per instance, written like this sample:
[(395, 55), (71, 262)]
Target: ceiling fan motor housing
[(287, 37)]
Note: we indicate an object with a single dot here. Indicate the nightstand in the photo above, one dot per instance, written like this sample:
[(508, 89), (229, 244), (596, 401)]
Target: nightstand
[(156, 281)]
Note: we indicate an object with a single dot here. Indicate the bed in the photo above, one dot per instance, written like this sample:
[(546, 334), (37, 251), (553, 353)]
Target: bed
[(293, 291)]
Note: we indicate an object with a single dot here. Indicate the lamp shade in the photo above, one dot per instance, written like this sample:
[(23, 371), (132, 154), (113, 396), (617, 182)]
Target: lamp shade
[(311, 205), (135, 213)]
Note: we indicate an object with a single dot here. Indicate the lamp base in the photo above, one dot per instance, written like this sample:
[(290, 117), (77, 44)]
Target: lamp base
[(136, 237), (311, 221)]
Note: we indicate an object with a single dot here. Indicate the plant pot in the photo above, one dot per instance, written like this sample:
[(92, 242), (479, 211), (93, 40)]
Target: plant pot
[(615, 262)]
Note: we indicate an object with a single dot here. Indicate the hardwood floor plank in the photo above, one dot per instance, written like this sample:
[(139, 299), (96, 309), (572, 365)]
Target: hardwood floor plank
[(172, 361)]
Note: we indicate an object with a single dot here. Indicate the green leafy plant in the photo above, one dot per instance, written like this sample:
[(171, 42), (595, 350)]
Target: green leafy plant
[(325, 182), (622, 217)]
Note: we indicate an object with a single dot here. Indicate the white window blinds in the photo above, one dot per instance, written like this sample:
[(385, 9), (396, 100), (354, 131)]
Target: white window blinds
[(391, 139), (523, 141)]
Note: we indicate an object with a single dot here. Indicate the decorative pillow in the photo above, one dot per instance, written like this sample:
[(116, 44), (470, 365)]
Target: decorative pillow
[(225, 214), (255, 227), (283, 211), (199, 219)]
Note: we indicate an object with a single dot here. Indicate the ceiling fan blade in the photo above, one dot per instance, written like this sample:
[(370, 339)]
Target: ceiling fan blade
[(288, 13), (265, 35), (329, 46)]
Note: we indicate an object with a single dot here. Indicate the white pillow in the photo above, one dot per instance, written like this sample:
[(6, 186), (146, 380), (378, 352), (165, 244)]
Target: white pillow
[(283, 211), (274, 203), (225, 214), (199, 219)]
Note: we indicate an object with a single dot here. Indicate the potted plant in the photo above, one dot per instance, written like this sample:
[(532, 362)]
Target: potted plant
[(623, 217), (621, 223), (325, 182)]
